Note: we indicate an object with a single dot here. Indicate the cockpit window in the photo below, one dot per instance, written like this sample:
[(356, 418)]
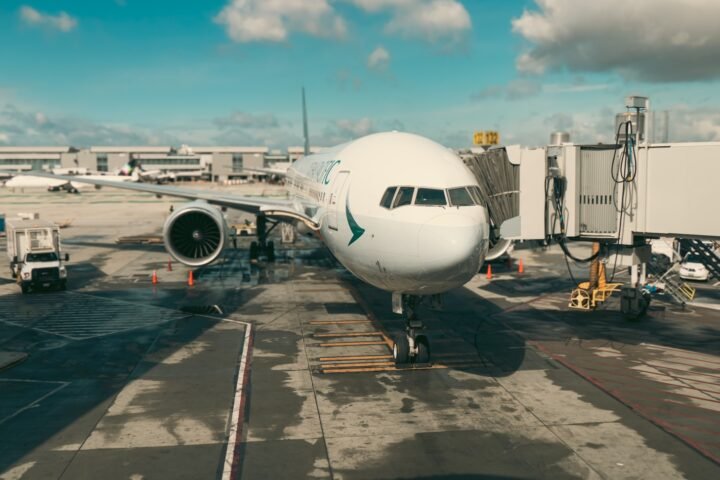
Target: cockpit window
[(475, 194), (430, 196), (404, 196), (387, 197), (459, 197)]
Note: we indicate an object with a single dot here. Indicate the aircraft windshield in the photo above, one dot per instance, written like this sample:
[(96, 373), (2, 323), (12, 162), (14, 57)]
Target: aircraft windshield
[(430, 196), (395, 197), (41, 257), (404, 196), (387, 198), (459, 197), (475, 194)]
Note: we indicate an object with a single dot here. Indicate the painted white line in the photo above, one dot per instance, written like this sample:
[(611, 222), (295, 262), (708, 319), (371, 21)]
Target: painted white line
[(238, 405), (35, 402)]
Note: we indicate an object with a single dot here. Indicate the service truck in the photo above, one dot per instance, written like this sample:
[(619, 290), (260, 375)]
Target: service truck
[(33, 247)]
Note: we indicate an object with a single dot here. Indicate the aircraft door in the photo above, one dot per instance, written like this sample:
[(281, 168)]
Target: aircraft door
[(335, 204)]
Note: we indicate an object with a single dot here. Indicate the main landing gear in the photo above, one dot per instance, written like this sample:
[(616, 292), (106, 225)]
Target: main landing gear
[(412, 346), (263, 246)]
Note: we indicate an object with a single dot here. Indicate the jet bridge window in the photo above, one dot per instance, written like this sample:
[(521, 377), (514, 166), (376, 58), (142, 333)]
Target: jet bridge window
[(387, 197), (404, 196), (460, 197), (430, 196)]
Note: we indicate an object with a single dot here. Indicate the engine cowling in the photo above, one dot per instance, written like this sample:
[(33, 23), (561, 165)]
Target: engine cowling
[(195, 234)]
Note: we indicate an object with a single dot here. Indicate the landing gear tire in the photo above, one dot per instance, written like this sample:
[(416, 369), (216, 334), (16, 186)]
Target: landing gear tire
[(25, 289), (401, 350), (254, 254), (63, 286), (423, 350)]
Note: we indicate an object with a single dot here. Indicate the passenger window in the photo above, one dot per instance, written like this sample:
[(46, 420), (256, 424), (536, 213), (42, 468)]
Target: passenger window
[(404, 196), (387, 197), (459, 197), (429, 196)]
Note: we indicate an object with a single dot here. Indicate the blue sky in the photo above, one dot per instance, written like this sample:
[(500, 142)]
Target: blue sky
[(230, 71)]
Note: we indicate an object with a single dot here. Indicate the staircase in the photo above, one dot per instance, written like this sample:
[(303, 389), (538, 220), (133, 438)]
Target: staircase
[(708, 257), (678, 290)]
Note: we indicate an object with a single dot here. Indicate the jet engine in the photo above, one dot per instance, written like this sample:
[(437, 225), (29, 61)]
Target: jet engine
[(195, 234)]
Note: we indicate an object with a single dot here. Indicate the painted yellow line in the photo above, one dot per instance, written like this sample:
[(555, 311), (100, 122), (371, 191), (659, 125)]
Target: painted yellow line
[(316, 290), (348, 334), (326, 366), (352, 344), (392, 368), (355, 357), (338, 322)]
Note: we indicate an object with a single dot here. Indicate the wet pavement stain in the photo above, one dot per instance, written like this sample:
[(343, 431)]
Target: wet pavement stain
[(407, 405)]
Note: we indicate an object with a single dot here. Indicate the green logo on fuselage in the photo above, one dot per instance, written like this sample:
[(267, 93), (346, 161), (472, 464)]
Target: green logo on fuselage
[(357, 230)]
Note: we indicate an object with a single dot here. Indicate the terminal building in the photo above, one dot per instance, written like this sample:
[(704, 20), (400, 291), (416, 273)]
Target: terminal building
[(214, 163)]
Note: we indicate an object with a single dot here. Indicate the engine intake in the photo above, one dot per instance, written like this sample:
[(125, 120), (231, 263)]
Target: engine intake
[(195, 234)]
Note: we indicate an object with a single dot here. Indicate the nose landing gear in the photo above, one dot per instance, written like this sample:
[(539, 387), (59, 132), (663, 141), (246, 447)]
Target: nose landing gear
[(413, 346)]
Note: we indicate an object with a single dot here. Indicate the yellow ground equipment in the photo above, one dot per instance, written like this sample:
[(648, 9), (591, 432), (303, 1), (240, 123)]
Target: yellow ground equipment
[(589, 295)]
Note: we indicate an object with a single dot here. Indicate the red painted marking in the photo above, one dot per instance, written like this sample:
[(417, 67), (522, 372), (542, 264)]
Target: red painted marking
[(647, 379), (634, 406)]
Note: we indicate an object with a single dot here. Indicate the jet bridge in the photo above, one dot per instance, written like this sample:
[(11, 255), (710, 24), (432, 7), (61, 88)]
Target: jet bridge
[(618, 195)]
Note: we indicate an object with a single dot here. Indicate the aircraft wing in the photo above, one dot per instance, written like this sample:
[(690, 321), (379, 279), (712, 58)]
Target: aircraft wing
[(277, 208)]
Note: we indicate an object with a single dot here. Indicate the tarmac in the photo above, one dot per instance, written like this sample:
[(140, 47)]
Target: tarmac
[(284, 370)]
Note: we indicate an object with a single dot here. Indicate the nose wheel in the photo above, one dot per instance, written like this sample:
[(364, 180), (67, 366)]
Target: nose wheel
[(413, 346)]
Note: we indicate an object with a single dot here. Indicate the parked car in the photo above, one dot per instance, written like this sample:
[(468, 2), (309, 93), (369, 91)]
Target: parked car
[(692, 268)]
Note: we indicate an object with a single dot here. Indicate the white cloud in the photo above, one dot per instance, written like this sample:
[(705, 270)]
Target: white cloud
[(62, 21), (357, 128), (689, 124), (247, 120), (513, 90), (651, 40), (379, 5), (274, 20), (379, 59), (344, 130), (22, 126), (443, 22)]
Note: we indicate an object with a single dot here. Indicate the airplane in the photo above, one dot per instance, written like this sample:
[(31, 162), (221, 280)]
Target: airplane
[(132, 171), (399, 211)]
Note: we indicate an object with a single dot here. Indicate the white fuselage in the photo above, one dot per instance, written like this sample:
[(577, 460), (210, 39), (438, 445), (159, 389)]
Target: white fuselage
[(29, 181), (417, 248)]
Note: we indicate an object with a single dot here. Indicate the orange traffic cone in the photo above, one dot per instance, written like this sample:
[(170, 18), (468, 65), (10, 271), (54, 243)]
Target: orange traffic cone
[(489, 272), (169, 265), (154, 278), (521, 268), (191, 280)]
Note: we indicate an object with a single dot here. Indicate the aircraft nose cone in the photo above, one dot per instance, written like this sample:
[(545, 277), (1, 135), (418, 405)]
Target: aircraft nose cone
[(453, 245)]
